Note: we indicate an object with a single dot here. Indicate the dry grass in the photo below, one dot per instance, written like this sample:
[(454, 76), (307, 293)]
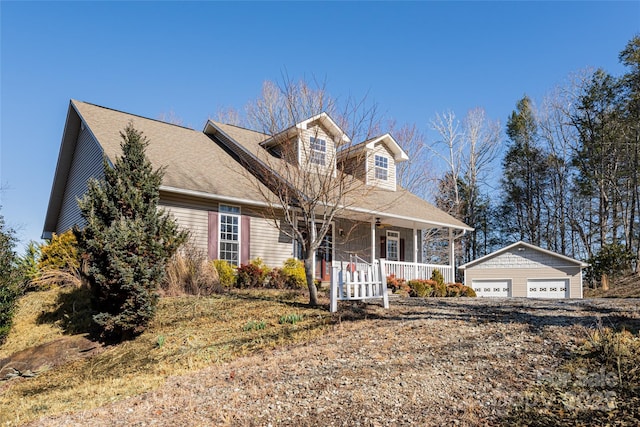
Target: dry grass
[(187, 334), (189, 272), (27, 331), (624, 287)]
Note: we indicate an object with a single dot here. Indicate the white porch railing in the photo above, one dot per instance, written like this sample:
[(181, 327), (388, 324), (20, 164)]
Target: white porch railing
[(358, 281), (413, 270)]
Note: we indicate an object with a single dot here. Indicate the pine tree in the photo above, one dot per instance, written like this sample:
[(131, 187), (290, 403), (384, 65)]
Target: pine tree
[(525, 177), (127, 241)]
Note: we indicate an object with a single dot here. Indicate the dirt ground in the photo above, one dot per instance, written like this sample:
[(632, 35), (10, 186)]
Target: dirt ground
[(422, 362)]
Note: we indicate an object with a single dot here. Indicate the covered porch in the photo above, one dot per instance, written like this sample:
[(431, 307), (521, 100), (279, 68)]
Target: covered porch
[(400, 242)]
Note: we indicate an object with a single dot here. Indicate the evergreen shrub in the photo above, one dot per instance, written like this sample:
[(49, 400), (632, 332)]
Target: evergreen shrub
[(293, 271), (127, 240), (10, 278), (421, 288), (226, 272)]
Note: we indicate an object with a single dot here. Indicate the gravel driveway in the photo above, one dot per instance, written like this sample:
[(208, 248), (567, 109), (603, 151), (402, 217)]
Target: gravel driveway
[(427, 362)]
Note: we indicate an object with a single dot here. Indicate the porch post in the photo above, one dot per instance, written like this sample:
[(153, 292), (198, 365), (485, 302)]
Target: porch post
[(415, 269), (452, 255), (333, 290), (415, 245), (373, 241)]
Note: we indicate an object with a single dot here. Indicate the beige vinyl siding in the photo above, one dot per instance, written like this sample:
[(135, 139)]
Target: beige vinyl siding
[(195, 220), (519, 277), (355, 241), (86, 163), (266, 241), (381, 150), (526, 258), (522, 265), (269, 243), (305, 148), (355, 166), (192, 214)]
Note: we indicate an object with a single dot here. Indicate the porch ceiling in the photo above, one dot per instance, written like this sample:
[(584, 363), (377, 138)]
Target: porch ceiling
[(399, 221)]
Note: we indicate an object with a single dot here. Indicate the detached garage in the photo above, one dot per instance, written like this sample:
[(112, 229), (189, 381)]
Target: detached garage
[(525, 270)]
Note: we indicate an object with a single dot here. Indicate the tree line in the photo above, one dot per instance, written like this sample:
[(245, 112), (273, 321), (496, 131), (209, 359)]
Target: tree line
[(569, 172)]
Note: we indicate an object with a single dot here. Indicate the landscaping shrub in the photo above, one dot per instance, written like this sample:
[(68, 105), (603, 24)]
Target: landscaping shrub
[(60, 253), (252, 275), (454, 289), (276, 279), (226, 273), (459, 290), (398, 285), (190, 273), (28, 265), (439, 290), (293, 271), (421, 288), (468, 292), (437, 277), (58, 263)]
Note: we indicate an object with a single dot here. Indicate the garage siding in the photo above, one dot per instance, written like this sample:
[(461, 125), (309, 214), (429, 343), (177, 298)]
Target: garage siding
[(519, 277)]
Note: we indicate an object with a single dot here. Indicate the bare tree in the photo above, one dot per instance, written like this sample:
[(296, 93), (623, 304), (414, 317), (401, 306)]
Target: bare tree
[(171, 117), (561, 234), (469, 150), (449, 148), (415, 174), (482, 138), (307, 185)]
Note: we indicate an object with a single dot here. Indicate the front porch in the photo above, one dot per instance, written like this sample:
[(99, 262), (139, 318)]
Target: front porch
[(358, 280), (406, 246)]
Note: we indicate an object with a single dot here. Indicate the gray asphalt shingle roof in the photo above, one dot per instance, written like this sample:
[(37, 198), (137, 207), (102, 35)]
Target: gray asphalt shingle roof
[(195, 162)]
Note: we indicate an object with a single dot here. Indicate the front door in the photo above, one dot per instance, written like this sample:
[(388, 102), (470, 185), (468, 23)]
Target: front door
[(324, 256)]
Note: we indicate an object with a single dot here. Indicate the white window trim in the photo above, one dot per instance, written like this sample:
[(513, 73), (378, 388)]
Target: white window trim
[(377, 168), (237, 215), (312, 150), (395, 237)]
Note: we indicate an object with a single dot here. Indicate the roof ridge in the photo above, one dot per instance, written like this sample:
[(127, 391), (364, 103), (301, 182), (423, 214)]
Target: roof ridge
[(238, 127), (134, 115)]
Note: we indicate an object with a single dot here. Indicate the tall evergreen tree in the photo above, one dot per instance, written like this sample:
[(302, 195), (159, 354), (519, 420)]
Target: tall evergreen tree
[(525, 177), (126, 241)]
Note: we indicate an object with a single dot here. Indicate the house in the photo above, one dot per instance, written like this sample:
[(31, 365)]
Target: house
[(214, 185), (525, 270)]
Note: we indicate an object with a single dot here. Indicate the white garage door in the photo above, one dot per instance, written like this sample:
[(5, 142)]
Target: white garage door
[(491, 288), (548, 288)]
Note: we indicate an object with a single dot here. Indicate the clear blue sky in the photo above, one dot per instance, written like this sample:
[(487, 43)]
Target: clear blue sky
[(192, 58)]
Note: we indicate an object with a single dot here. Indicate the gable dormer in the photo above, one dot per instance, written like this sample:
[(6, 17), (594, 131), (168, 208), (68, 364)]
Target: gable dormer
[(311, 144), (374, 161)]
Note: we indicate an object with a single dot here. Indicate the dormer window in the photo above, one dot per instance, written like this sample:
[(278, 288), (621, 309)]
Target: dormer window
[(382, 167), (318, 151)]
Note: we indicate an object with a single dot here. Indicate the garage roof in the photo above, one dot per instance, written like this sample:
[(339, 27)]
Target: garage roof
[(523, 245)]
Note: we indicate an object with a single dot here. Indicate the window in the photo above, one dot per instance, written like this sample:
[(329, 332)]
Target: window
[(229, 233), (393, 245), (382, 167), (318, 151)]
